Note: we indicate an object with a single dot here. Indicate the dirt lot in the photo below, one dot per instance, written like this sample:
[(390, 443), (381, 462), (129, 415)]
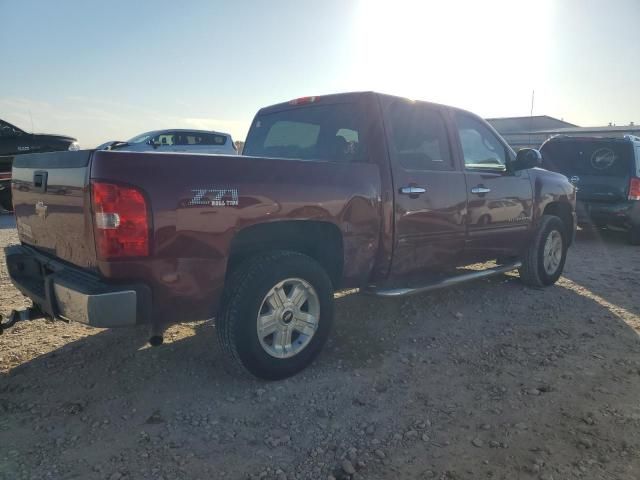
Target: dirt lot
[(490, 380)]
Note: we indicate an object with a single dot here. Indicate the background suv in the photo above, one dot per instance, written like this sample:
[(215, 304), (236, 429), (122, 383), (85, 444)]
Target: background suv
[(192, 141), (606, 172)]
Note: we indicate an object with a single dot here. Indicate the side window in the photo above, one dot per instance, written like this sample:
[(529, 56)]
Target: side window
[(480, 146), (165, 139), (197, 138), (419, 137), (211, 139)]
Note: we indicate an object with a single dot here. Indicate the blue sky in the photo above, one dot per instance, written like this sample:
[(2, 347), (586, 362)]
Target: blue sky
[(109, 70)]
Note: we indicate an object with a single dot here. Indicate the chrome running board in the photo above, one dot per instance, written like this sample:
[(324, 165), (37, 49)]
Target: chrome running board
[(446, 282)]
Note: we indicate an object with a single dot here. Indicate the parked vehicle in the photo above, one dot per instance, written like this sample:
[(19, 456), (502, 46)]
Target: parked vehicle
[(606, 172), (192, 141), (349, 190), (14, 141)]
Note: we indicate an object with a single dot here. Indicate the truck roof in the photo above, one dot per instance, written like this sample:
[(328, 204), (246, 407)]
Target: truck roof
[(337, 98)]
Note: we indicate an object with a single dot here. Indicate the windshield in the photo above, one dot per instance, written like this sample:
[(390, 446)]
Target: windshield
[(8, 130), (143, 137), (324, 132)]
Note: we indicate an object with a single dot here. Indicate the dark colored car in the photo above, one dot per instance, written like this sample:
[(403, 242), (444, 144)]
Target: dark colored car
[(341, 191), (14, 141), (606, 172)]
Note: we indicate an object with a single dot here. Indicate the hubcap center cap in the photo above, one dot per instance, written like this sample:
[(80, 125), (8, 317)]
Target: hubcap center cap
[(287, 316)]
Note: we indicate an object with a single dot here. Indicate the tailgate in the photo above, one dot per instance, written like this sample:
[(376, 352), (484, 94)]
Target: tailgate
[(52, 206)]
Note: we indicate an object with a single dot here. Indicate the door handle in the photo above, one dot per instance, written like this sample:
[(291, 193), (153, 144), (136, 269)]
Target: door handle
[(412, 190), (480, 190)]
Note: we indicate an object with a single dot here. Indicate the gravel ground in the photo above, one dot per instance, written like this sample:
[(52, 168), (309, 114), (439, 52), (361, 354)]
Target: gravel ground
[(489, 380)]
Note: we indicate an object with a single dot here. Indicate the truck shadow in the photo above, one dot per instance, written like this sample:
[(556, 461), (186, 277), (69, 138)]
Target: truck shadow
[(606, 266), (477, 348)]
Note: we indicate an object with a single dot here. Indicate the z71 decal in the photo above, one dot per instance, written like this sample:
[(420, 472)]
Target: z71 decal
[(215, 197)]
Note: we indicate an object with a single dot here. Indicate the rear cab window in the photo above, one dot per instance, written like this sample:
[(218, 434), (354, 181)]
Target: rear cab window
[(330, 132)]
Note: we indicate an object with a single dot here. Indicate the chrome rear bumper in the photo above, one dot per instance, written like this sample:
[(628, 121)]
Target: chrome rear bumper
[(69, 293)]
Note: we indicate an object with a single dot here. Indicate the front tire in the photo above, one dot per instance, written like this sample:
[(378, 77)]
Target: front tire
[(276, 314), (543, 262)]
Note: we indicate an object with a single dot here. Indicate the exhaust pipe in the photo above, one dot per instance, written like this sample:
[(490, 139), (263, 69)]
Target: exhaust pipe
[(157, 335)]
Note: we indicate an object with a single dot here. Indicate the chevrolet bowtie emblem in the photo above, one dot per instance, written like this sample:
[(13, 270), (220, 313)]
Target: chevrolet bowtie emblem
[(41, 209)]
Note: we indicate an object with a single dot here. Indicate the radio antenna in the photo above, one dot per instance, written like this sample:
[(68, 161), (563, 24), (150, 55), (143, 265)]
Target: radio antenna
[(533, 94), (31, 118)]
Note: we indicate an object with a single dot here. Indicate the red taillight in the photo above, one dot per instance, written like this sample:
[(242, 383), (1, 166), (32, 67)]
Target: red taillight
[(120, 221), (634, 188), (303, 100)]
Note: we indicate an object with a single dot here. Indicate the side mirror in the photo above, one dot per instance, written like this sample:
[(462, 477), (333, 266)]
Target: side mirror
[(526, 158), (153, 143)]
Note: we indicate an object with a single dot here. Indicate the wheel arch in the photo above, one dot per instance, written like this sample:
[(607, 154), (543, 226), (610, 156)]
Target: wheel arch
[(320, 240)]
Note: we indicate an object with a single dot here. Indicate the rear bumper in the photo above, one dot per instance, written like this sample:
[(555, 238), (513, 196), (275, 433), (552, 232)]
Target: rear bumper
[(69, 293), (624, 214)]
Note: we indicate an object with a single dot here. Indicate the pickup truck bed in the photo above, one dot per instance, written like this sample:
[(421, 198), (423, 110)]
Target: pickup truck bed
[(342, 191)]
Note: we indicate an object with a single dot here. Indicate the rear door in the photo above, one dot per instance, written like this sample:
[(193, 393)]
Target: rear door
[(51, 202), (499, 212), (430, 190)]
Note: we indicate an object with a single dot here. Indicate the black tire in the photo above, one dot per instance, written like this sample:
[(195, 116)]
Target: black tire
[(246, 289), (484, 220), (532, 271), (5, 200), (634, 235)]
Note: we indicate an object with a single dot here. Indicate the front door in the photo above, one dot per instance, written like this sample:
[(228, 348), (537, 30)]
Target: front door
[(499, 211), (430, 191)]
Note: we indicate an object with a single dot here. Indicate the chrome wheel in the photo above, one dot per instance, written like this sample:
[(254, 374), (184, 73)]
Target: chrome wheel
[(553, 250), (288, 318)]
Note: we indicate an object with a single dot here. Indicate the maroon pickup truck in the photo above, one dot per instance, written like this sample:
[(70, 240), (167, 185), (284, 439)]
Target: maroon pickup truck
[(357, 190)]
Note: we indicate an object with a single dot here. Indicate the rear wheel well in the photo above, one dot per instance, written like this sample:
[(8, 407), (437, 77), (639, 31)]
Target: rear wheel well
[(562, 211), (321, 241)]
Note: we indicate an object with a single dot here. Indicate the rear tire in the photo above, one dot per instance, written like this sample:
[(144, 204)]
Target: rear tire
[(544, 260), (286, 293)]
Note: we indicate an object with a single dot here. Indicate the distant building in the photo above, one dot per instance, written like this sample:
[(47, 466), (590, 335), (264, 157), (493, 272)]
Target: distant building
[(522, 132)]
